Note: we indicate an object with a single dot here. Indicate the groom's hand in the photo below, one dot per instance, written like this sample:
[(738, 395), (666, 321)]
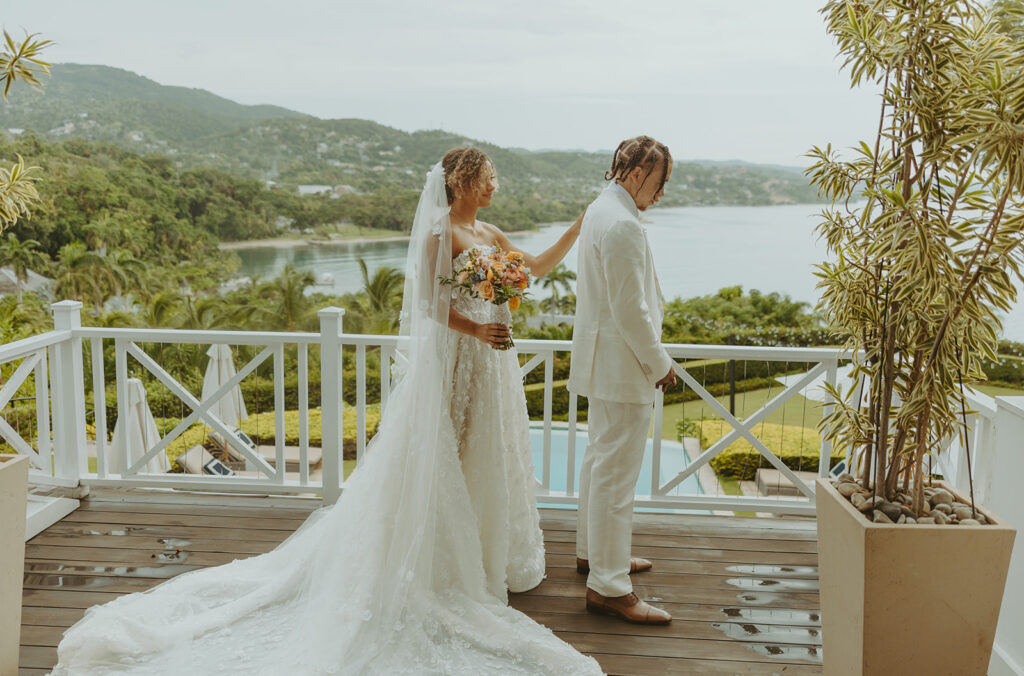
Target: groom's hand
[(668, 381)]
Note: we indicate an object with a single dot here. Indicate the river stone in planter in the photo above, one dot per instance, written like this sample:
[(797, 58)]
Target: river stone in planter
[(941, 497), (969, 522), (847, 489), (858, 499), (926, 519), (944, 508), (963, 512), (891, 510), (870, 504), (880, 517), (940, 518)]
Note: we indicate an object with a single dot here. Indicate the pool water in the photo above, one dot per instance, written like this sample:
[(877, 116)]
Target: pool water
[(673, 460)]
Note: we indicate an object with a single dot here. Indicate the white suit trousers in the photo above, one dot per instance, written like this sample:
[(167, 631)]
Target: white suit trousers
[(608, 475)]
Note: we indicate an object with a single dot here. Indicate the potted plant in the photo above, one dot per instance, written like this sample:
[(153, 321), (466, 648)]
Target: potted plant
[(924, 238), (13, 475)]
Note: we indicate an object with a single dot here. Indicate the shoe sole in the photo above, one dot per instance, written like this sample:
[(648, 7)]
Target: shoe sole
[(598, 610)]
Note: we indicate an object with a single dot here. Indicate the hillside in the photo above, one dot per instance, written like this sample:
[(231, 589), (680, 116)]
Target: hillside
[(201, 130)]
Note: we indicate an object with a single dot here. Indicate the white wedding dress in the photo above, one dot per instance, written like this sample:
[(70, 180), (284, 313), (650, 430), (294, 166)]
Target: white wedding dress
[(407, 573), (488, 409)]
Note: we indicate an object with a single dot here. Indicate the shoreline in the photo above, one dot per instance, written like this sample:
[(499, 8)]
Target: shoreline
[(289, 243)]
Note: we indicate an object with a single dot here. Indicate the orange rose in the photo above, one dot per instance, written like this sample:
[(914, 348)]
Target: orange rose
[(523, 283), (490, 275), (513, 303), (486, 290)]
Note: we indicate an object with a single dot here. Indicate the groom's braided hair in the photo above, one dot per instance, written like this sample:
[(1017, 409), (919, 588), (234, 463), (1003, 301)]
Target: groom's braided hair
[(464, 170), (643, 152)]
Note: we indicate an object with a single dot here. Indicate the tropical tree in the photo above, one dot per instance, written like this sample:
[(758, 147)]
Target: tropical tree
[(291, 307), (21, 257), (19, 61), (82, 275), (560, 276), (920, 270), (376, 309)]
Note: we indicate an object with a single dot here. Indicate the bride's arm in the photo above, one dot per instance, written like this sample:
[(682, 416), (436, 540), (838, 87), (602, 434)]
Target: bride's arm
[(544, 263), (495, 335)]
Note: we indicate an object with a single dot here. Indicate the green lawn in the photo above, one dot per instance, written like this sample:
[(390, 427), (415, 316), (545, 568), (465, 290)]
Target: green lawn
[(798, 410)]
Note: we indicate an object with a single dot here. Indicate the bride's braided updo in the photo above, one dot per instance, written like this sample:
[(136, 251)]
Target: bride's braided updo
[(643, 152), (464, 171)]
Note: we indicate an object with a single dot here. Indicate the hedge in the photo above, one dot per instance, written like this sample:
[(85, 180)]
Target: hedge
[(796, 446)]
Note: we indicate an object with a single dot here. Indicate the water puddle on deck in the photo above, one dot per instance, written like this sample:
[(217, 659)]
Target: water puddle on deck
[(788, 653), (775, 571), (127, 530), (165, 571), (774, 633), (784, 585), (775, 615)]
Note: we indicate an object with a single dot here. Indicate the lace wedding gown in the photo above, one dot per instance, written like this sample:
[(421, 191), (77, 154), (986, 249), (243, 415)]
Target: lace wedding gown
[(406, 574), (489, 414)]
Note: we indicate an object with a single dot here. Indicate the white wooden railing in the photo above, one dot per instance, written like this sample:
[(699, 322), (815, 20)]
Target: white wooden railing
[(55, 362), (967, 460)]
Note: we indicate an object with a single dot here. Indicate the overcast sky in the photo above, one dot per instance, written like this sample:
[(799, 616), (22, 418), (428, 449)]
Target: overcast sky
[(756, 80)]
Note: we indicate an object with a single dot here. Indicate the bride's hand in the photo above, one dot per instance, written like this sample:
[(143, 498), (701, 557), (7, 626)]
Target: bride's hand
[(495, 335)]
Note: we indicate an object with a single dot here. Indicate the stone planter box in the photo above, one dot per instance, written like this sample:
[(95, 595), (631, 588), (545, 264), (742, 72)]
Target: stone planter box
[(907, 599), (13, 478)]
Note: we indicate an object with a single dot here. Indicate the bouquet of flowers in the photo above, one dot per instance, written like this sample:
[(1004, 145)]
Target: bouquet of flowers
[(491, 274)]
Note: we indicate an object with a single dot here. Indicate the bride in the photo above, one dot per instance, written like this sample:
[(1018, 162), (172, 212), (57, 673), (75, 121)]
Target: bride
[(407, 573)]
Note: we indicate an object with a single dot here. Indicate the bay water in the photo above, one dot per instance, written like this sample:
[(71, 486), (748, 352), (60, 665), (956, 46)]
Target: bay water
[(697, 251)]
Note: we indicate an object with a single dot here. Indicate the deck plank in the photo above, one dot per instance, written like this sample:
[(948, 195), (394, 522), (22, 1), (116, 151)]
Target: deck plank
[(742, 590)]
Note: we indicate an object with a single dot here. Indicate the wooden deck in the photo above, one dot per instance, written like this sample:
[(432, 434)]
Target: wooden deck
[(743, 591)]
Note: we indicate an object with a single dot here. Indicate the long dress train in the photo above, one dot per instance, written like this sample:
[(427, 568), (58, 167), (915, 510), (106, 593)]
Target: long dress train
[(390, 580)]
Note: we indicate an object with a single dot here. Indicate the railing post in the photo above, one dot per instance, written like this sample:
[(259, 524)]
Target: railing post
[(67, 391), (825, 456), (331, 401)]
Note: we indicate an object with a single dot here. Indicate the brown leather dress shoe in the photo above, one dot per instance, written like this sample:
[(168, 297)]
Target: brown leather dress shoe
[(635, 566), (629, 608)]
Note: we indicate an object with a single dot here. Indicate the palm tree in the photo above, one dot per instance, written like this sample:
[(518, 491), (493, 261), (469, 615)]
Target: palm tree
[(17, 182), (22, 257), (128, 272), (288, 290), (82, 274), (560, 276), (377, 306)]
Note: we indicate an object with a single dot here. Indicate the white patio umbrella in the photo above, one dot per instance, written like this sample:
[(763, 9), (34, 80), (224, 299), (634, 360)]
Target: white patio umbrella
[(221, 368), (135, 422)]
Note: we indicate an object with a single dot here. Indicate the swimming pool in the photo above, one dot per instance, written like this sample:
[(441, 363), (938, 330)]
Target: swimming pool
[(673, 461)]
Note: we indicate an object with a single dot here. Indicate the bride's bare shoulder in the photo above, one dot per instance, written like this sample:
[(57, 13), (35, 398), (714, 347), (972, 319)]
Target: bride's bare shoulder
[(492, 232)]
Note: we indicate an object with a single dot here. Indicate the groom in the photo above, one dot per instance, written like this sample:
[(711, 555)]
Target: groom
[(617, 362)]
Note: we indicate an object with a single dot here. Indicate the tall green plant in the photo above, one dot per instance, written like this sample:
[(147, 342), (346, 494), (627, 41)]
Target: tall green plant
[(19, 61), (925, 230)]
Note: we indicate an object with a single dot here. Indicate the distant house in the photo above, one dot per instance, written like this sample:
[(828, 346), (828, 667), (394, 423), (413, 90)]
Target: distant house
[(315, 189), (15, 131), (9, 281), (344, 190)]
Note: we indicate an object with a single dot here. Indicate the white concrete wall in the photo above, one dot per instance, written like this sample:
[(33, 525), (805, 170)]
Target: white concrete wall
[(1007, 502)]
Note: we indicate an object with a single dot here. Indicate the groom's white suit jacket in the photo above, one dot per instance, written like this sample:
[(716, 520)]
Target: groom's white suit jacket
[(616, 346)]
